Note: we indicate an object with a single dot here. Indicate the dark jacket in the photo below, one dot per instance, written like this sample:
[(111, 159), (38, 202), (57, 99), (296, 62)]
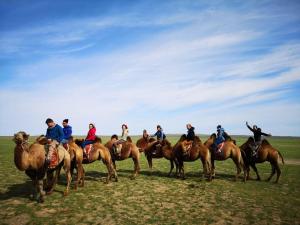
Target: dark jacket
[(257, 134), (191, 134), (159, 135), (67, 132), (55, 133)]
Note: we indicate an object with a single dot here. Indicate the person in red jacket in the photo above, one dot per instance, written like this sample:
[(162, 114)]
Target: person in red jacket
[(91, 136)]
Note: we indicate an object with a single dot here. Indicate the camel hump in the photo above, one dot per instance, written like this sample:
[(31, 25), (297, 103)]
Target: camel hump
[(98, 139), (129, 139)]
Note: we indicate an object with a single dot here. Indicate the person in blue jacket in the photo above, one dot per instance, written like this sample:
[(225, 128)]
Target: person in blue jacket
[(160, 137), (55, 136), (220, 136), (159, 133), (67, 129)]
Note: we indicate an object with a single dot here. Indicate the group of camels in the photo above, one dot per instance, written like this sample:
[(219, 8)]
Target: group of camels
[(31, 158)]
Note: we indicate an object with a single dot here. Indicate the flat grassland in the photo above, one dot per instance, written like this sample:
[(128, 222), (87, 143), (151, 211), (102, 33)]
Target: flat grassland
[(155, 198)]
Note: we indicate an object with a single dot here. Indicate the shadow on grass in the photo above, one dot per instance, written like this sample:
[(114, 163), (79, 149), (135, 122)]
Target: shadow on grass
[(22, 190)]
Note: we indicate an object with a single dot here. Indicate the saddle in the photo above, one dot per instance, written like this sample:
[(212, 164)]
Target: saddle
[(52, 156)]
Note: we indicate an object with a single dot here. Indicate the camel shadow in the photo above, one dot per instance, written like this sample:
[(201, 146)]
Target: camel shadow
[(22, 190)]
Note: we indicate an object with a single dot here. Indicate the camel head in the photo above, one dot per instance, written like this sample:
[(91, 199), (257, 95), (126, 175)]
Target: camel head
[(210, 140), (20, 137)]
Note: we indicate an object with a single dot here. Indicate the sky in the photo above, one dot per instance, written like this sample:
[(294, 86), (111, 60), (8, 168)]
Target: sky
[(150, 62)]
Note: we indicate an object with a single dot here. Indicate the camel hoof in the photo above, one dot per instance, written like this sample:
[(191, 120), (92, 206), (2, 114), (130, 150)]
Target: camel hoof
[(66, 193)]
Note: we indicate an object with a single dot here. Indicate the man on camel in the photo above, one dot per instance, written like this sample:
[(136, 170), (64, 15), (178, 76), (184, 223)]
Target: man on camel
[(54, 135)]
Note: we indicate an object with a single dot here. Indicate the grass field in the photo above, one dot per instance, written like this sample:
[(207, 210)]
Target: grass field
[(155, 198)]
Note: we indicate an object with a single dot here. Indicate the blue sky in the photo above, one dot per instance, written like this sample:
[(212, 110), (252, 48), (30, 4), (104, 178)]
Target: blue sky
[(150, 62)]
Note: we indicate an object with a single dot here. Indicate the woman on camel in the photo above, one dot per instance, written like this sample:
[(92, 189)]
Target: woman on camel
[(91, 136), (123, 138)]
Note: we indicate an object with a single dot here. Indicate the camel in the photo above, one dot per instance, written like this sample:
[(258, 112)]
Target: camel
[(98, 152), (143, 142), (128, 150), (189, 151), (32, 160), (266, 152), (228, 150), (156, 149)]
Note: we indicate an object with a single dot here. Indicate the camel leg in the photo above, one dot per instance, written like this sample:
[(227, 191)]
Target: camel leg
[(109, 172), (208, 166), (149, 159), (238, 167), (205, 171), (182, 170), (172, 167), (278, 171), (79, 174), (256, 171), (50, 182), (41, 192), (213, 168), (69, 179), (82, 178), (136, 167), (272, 173)]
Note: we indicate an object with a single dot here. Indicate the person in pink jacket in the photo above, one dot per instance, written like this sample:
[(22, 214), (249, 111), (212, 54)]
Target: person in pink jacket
[(91, 136)]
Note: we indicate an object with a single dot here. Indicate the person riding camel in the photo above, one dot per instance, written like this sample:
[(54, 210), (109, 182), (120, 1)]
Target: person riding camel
[(55, 135), (190, 132), (145, 134), (67, 129), (219, 139), (117, 146), (257, 133), (160, 137), (90, 138)]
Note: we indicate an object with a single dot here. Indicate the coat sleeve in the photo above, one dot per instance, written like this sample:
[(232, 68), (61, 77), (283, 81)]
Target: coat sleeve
[(250, 128), (61, 134)]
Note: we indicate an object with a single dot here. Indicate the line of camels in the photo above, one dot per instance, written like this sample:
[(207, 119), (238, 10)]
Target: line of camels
[(31, 158)]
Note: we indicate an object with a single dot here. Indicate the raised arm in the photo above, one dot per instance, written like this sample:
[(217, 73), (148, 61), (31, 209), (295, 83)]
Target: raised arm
[(249, 127)]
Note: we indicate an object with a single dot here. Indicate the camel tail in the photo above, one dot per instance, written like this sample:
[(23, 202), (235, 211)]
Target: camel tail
[(281, 157)]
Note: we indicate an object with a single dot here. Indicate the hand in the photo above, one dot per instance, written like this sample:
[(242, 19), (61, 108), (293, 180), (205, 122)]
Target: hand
[(246, 122), (49, 141)]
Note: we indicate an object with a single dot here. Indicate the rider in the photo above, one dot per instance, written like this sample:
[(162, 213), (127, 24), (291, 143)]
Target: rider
[(145, 134), (67, 129), (257, 133), (91, 136), (54, 135), (220, 137), (190, 132), (123, 139), (159, 135)]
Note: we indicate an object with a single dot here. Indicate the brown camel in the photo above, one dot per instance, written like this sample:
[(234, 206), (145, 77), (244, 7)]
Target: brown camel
[(128, 150), (98, 152), (143, 142), (76, 155), (229, 150), (156, 149), (31, 159), (189, 151), (266, 152)]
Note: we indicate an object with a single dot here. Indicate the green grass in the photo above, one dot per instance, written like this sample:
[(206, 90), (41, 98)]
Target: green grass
[(157, 199)]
